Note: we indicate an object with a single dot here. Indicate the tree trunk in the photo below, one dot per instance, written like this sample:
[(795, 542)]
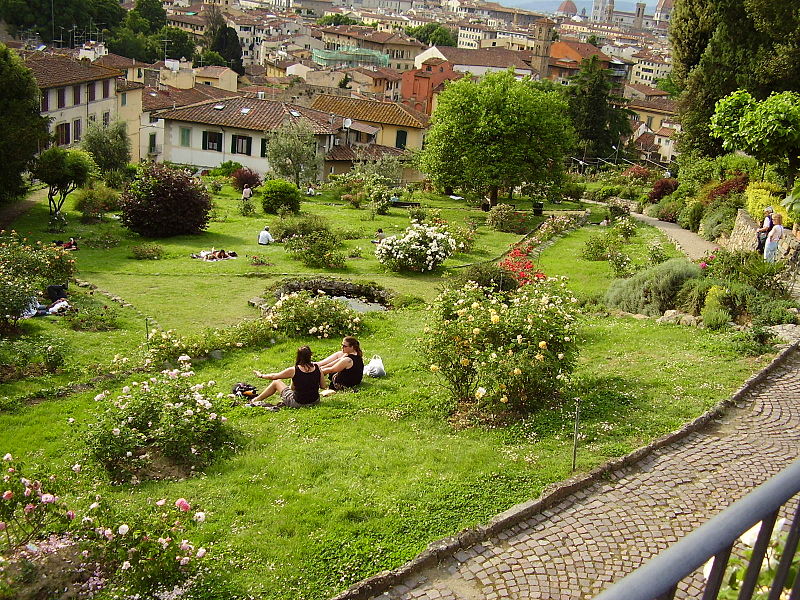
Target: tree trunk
[(493, 191)]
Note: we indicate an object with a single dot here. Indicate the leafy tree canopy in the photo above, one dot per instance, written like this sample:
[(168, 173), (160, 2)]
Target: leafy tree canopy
[(22, 129), (209, 58), (329, 20), (64, 171), (433, 34), (153, 11), (292, 152), (180, 44), (109, 145), (499, 132), (768, 129)]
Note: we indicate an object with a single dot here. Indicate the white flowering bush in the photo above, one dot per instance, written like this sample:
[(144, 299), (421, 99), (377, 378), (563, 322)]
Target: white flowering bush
[(420, 248), (165, 417), (507, 352), (302, 313)]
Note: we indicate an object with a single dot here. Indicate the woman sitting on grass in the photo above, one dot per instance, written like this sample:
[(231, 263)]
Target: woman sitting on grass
[(346, 366), (307, 381)]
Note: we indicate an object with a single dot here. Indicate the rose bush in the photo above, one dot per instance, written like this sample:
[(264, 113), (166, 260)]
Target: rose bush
[(508, 352), (303, 313), (420, 248), (167, 416)]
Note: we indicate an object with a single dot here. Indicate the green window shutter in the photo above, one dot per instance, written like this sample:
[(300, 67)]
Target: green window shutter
[(249, 146), (263, 147), (233, 143), (205, 140)]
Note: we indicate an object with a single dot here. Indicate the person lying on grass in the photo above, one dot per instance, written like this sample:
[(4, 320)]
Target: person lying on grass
[(346, 366), (212, 255), (307, 381)]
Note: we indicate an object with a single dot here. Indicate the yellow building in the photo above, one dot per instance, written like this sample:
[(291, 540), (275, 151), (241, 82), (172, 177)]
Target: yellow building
[(129, 111), (398, 126)]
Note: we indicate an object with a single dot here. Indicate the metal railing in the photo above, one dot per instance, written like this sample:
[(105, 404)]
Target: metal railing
[(659, 578)]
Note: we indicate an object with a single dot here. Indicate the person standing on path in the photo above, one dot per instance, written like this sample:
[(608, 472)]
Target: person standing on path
[(773, 238), (763, 231)]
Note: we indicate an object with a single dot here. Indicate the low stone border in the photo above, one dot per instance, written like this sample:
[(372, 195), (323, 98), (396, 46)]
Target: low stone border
[(446, 547)]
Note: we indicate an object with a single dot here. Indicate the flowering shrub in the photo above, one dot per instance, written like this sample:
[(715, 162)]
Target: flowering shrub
[(620, 263), (29, 505), (147, 553), (165, 416), (655, 253), (505, 217), (147, 251), (637, 172), (88, 314), (625, 227), (550, 228), (24, 270), (520, 266), (316, 249), (303, 313), (420, 248), (509, 351)]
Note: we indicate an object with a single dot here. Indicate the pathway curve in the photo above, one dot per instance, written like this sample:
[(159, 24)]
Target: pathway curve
[(691, 244), (597, 534), (12, 211)]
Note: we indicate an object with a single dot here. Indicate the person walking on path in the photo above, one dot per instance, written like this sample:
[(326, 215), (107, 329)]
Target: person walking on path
[(763, 231), (773, 238), (247, 192)]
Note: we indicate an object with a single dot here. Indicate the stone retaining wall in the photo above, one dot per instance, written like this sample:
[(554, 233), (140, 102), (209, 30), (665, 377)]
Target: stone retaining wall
[(743, 237)]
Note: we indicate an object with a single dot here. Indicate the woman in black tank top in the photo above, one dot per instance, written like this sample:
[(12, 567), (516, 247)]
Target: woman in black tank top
[(307, 380), (346, 366)]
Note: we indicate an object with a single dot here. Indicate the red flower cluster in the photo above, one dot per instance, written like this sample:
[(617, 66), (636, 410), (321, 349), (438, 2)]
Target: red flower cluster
[(522, 268)]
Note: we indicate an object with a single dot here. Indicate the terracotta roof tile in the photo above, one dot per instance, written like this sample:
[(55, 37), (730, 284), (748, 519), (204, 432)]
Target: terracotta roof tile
[(115, 61), (372, 111), (169, 97), (54, 70), (659, 104), (371, 35), (501, 58), (254, 114)]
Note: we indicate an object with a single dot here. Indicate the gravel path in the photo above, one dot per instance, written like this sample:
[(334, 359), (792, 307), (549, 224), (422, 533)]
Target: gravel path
[(11, 212), (691, 244)]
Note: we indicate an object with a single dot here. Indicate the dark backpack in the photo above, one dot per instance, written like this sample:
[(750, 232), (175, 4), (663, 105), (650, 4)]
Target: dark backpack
[(245, 390)]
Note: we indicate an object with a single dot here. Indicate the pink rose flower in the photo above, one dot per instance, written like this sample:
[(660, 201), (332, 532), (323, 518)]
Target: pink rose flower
[(70, 514), (8, 495), (2, 525), (182, 505), (201, 552), (161, 502), (29, 508), (48, 498)]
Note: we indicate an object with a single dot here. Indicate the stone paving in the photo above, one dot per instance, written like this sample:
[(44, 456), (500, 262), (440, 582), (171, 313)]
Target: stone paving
[(598, 534)]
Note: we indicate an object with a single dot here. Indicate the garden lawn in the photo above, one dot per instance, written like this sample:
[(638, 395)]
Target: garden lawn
[(316, 499)]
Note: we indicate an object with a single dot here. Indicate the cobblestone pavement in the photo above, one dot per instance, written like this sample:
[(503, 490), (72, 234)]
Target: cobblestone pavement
[(598, 534), (688, 242)]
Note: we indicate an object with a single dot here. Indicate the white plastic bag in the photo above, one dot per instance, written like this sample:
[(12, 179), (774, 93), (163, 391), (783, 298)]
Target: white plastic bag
[(375, 368)]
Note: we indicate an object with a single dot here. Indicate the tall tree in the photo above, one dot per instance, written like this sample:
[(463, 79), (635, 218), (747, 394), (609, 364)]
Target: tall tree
[(292, 152), (128, 43), (109, 145), (720, 46), (215, 21), (496, 133), (22, 128), (598, 117), (49, 18), (227, 44), (209, 58), (179, 43), (433, 34), (337, 19), (108, 13), (153, 11)]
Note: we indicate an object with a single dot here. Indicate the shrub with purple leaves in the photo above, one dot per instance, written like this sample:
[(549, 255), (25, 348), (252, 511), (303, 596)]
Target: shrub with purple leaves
[(163, 202), (245, 176)]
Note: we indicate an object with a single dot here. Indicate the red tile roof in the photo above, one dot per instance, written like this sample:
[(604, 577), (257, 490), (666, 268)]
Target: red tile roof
[(371, 35), (55, 70), (254, 114), (169, 97), (372, 111), (115, 61), (501, 58), (664, 105)]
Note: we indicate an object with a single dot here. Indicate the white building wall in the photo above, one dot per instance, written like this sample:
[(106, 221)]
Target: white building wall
[(84, 111)]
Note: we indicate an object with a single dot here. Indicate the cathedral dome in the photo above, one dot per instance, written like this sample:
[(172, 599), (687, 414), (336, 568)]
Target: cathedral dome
[(568, 8)]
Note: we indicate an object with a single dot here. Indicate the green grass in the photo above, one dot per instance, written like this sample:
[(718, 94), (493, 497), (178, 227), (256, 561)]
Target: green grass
[(317, 499)]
